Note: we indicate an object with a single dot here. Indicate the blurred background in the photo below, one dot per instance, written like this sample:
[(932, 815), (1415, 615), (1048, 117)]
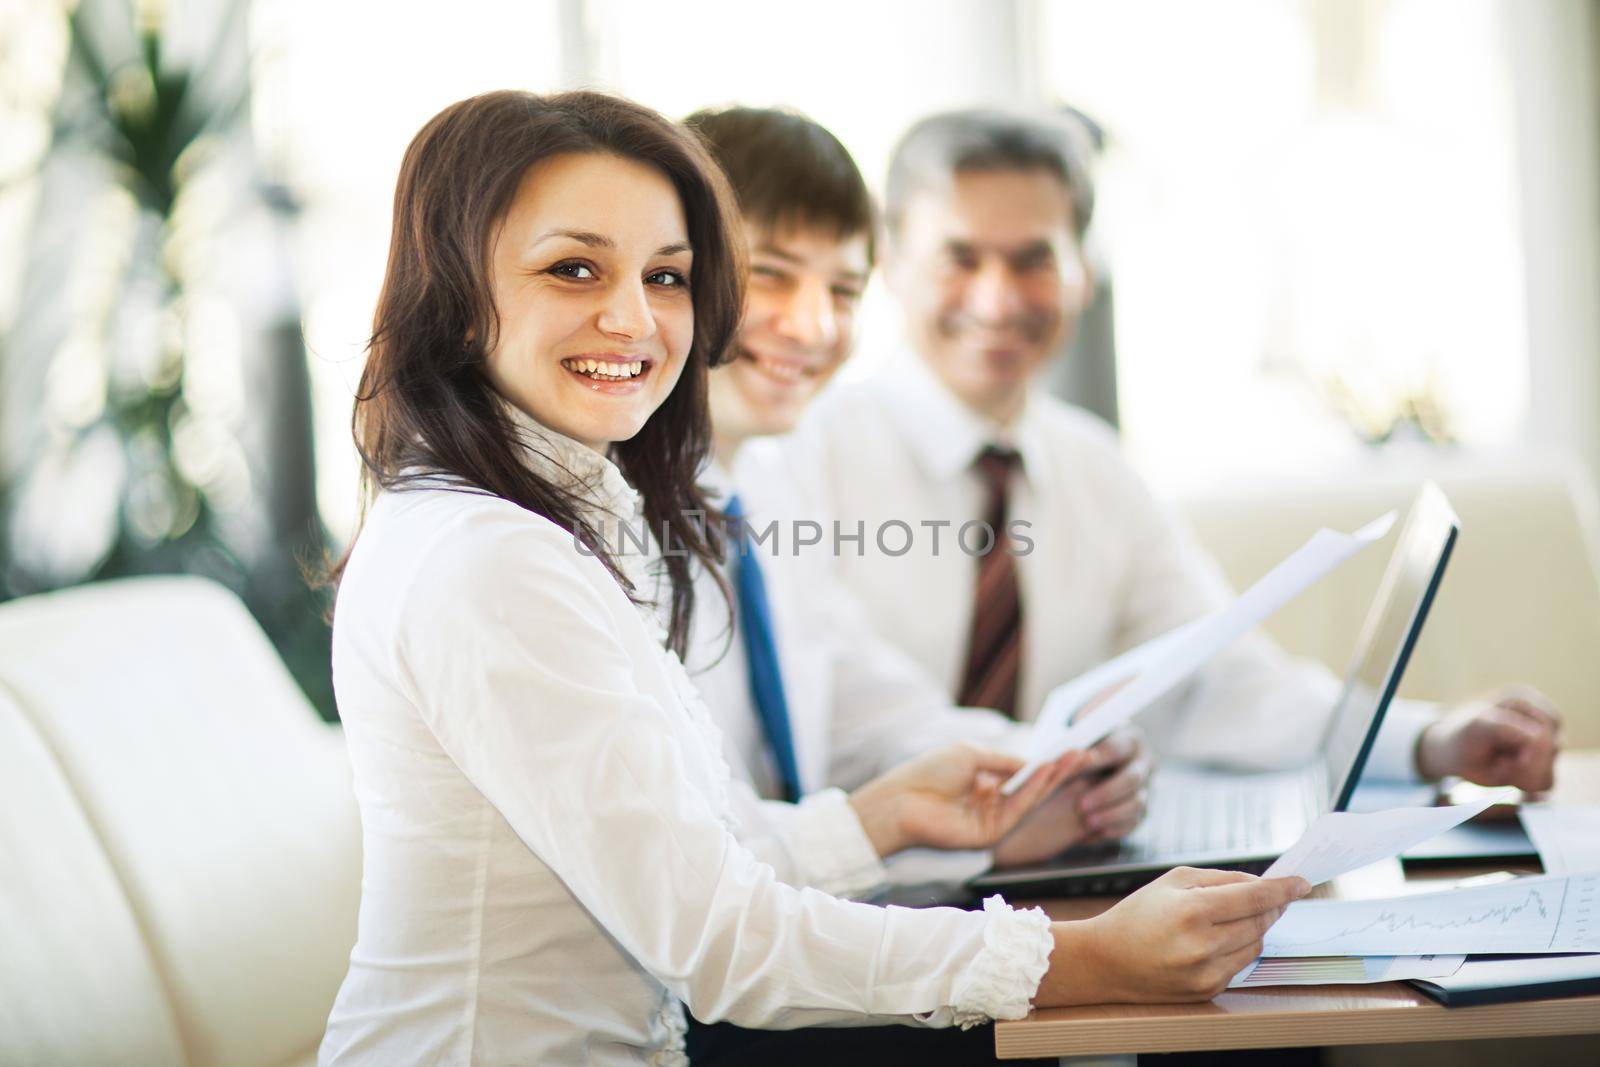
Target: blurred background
[(1338, 238)]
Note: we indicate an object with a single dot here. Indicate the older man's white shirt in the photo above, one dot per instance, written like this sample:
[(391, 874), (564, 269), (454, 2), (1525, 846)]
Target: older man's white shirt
[(1107, 568)]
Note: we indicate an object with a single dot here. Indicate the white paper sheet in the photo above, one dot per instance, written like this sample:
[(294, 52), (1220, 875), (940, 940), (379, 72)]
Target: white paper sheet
[(1567, 837), (1343, 970), (1526, 915), (1343, 841), (1066, 701), (1147, 673)]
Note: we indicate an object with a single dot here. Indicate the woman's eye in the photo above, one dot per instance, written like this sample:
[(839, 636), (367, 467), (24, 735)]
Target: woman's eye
[(667, 277), (573, 270)]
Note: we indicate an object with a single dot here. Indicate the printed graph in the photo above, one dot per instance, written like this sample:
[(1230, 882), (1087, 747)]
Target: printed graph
[(1527, 915)]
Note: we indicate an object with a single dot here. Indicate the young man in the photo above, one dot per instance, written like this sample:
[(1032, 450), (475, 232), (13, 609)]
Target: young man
[(985, 213), (807, 695)]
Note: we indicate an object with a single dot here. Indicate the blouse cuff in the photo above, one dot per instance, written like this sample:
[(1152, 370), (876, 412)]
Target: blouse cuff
[(831, 847), (1002, 980)]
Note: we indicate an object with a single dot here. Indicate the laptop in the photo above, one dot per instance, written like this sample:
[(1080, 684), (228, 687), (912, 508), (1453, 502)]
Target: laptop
[(1207, 818)]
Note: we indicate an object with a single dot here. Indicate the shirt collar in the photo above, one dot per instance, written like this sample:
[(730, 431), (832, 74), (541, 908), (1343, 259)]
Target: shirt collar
[(946, 435), (567, 463)]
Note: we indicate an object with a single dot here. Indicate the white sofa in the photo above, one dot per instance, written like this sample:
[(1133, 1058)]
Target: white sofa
[(179, 844)]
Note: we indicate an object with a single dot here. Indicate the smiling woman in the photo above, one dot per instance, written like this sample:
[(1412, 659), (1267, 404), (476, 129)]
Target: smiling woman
[(583, 241)]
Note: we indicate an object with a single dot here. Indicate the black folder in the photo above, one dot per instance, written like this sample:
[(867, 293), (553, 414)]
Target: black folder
[(1502, 979)]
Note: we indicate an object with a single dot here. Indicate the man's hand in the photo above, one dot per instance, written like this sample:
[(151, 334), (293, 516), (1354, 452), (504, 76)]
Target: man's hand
[(950, 798), (1510, 738), (1103, 802), (1115, 803)]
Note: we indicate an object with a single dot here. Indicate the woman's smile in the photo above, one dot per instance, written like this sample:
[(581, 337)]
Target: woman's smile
[(608, 372)]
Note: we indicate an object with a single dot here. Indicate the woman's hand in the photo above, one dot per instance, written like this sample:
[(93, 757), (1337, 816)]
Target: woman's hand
[(1103, 802), (1180, 938), (950, 798)]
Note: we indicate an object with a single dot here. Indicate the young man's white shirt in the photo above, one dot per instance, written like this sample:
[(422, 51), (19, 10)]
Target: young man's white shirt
[(857, 705), (547, 819), (1107, 568)]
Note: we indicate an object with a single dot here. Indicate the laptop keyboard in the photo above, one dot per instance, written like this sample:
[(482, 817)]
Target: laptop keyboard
[(1199, 813), (1206, 820)]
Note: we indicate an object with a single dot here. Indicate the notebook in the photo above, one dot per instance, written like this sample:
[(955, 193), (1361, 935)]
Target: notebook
[(1502, 979)]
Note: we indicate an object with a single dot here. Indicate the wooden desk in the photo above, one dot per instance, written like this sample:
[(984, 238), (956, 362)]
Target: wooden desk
[(1293, 1016)]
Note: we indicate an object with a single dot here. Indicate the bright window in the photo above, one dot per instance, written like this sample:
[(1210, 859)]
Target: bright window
[(1299, 201), (1307, 207)]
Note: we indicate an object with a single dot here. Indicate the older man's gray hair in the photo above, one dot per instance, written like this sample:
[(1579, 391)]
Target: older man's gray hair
[(942, 146)]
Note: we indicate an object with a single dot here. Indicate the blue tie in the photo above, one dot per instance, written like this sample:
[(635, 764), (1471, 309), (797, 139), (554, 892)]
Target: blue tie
[(761, 652)]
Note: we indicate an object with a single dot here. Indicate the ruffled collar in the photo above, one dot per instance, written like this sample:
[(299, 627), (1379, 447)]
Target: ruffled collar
[(563, 461), (611, 506)]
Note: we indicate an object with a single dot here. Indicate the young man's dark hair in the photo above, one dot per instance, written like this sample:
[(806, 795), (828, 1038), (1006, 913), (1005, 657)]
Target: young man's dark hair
[(954, 142), (787, 171)]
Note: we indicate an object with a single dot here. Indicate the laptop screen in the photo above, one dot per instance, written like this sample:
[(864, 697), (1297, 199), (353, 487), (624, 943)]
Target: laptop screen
[(1387, 638)]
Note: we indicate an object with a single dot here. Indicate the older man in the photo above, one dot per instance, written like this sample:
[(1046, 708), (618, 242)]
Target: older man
[(986, 212)]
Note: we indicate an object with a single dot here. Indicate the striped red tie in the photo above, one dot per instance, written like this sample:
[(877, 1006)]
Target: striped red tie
[(994, 650)]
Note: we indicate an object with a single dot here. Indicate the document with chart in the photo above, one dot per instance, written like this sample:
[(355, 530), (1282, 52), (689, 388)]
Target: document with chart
[(1523, 916)]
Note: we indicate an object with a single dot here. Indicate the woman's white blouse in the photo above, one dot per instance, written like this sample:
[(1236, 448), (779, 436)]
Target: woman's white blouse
[(548, 863)]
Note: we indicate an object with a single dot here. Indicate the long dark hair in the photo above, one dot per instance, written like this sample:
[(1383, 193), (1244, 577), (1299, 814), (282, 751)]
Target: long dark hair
[(424, 406)]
